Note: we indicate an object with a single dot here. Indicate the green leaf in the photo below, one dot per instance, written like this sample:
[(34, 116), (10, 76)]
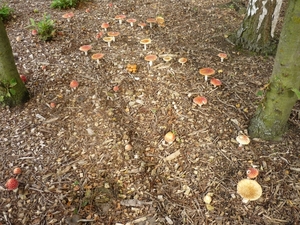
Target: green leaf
[(1, 98), (297, 92), (12, 92), (260, 93), (12, 82)]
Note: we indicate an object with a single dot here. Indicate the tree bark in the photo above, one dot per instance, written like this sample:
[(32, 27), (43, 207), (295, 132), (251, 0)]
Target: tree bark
[(270, 119), (257, 29), (9, 73)]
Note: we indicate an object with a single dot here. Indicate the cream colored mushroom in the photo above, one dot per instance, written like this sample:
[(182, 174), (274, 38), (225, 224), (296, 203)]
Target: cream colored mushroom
[(249, 190)]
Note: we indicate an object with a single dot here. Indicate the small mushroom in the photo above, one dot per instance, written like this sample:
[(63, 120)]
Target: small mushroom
[(167, 58), (151, 21), (169, 137), (120, 18), (242, 139), (150, 59), (145, 42), (74, 84), (68, 16), (105, 26), (85, 48), (108, 40), (131, 21), (113, 34), (207, 72), (97, 57), (182, 61), (215, 82), (142, 25), (252, 173), (200, 100), (249, 190), (222, 56)]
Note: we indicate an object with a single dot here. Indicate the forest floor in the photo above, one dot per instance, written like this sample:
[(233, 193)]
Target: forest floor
[(77, 164)]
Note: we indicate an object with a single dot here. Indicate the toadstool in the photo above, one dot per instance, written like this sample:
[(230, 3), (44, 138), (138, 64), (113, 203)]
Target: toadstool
[(222, 56), (242, 139), (252, 173), (120, 18), (151, 21), (105, 26), (97, 56), (85, 48), (249, 190), (74, 84), (169, 137), (142, 25), (207, 72), (215, 82), (68, 16), (11, 184), (131, 21), (17, 171), (113, 34), (150, 59), (108, 40), (200, 100), (182, 61), (145, 42)]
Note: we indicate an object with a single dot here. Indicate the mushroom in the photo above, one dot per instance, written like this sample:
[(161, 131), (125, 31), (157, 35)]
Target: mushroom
[(142, 25), (252, 173), (85, 48), (74, 84), (182, 61), (151, 20), (113, 34), (169, 137), (215, 82), (150, 59), (12, 184), (131, 21), (97, 56), (222, 56), (105, 26), (200, 100), (108, 40), (120, 18), (207, 72), (242, 139), (145, 42), (249, 190), (167, 58), (68, 16)]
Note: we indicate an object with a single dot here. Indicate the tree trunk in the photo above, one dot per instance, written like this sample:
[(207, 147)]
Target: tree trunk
[(12, 90), (270, 119), (257, 29)]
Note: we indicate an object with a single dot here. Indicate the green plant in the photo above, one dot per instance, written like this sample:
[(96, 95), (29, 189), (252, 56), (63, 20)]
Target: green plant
[(64, 4), (5, 12), (6, 89), (45, 27)]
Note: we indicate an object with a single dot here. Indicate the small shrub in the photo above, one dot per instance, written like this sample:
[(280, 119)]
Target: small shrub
[(5, 12), (45, 27), (64, 4)]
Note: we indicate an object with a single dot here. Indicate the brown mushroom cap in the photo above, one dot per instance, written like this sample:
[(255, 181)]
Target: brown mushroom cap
[(200, 100), (252, 173), (249, 189), (150, 58), (182, 60), (120, 18), (207, 71), (105, 25), (68, 15), (85, 48), (243, 139), (97, 56), (113, 34), (216, 82)]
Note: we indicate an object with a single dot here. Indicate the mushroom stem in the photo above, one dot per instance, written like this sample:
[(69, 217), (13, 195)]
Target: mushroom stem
[(108, 43), (150, 63), (222, 59), (85, 52), (205, 78), (145, 47), (98, 62)]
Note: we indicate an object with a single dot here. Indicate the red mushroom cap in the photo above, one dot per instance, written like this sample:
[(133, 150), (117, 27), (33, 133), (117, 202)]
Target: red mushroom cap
[(11, 184), (252, 173), (215, 82), (200, 100), (74, 84)]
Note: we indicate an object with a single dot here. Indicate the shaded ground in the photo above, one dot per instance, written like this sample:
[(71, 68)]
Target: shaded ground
[(73, 157)]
